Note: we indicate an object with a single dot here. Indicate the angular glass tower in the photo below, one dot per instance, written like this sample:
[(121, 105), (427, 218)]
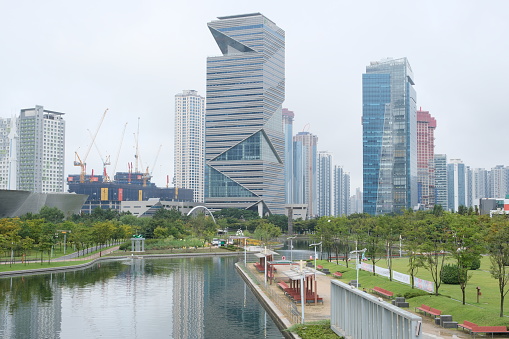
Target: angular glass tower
[(244, 139), (389, 137)]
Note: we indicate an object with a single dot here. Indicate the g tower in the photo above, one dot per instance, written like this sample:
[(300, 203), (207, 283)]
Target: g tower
[(244, 138)]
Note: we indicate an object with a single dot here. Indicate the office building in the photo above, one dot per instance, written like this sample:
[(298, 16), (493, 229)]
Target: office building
[(304, 170), (389, 128), (426, 126), (189, 145), (324, 184), (288, 132), (341, 191), (441, 195), (40, 150), (244, 140)]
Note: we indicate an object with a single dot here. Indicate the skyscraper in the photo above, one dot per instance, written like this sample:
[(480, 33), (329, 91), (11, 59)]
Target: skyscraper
[(389, 137), (441, 195), (40, 148), (288, 131), (304, 170), (341, 191), (189, 146), (8, 138), (244, 166), (499, 180), (324, 184), (457, 185), (426, 125)]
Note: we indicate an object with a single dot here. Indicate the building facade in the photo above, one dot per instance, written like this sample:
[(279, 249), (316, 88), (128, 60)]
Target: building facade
[(324, 184), (341, 191), (8, 162), (304, 170), (40, 150), (389, 127), (441, 195), (189, 145), (244, 140), (499, 180), (457, 185), (426, 126), (288, 131)]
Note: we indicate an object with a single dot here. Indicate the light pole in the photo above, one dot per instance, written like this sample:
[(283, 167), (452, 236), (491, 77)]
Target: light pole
[(315, 245), (357, 261), (291, 247)]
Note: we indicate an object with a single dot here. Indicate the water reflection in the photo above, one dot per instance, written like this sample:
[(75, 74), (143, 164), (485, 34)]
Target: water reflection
[(136, 298)]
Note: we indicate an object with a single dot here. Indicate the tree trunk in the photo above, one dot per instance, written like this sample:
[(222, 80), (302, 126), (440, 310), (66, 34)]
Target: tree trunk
[(501, 305)]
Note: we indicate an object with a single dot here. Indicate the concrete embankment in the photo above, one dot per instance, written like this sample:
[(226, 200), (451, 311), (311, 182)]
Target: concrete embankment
[(279, 318)]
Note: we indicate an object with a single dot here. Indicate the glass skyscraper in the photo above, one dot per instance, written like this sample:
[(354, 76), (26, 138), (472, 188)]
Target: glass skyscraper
[(389, 132), (244, 140)]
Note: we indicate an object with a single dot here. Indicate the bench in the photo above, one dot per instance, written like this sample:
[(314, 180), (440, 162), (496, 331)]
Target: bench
[(428, 310), (338, 275), (382, 292), (326, 271), (467, 325), (283, 285), (489, 329), (319, 267)]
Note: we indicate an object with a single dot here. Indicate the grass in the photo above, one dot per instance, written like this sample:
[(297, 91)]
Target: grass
[(484, 313), (315, 330), (37, 265)]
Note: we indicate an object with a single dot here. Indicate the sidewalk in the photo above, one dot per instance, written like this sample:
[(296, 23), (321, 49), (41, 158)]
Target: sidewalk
[(322, 311)]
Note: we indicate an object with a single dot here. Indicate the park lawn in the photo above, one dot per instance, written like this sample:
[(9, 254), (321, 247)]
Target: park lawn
[(38, 265), (484, 313)]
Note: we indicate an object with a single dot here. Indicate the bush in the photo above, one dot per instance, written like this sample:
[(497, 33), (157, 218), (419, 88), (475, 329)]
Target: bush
[(125, 246), (450, 274), (476, 264), (415, 293)]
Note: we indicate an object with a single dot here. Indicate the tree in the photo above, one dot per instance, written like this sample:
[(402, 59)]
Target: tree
[(326, 233), (51, 214), (265, 231), (498, 247), (102, 232), (465, 246)]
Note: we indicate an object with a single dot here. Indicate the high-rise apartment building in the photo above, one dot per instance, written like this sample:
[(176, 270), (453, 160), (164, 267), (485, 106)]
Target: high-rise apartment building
[(426, 126), (389, 126), (499, 180), (356, 202), (244, 140), (40, 148), (8, 139), (288, 131), (457, 185), (324, 184), (189, 146), (441, 195), (480, 185), (341, 191), (304, 170)]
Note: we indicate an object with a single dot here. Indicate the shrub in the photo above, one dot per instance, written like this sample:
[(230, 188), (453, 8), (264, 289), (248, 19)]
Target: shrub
[(414, 293), (125, 246), (476, 264), (450, 274)]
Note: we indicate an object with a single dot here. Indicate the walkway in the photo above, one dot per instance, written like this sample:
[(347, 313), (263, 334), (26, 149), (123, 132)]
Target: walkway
[(322, 311)]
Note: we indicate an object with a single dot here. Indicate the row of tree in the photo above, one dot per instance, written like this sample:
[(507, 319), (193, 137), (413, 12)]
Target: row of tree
[(428, 239)]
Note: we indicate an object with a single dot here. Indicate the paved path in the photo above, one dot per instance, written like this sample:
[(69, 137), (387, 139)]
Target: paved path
[(322, 311)]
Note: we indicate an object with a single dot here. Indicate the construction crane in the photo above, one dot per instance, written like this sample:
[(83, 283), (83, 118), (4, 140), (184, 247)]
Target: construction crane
[(77, 159), (119, 148), (106, 162), (147, 175)]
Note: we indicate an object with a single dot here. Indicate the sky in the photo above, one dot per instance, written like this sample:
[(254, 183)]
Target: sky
[(132, 57)]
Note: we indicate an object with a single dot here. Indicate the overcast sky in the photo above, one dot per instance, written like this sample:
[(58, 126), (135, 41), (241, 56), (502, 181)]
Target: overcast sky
[(132, 57)]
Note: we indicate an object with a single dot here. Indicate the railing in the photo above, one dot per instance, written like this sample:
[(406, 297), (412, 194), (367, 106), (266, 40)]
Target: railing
[(283, 303)]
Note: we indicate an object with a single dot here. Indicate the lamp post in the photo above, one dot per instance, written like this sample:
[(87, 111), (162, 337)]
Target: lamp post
[(357, 261), (291, 247), (315, 245)]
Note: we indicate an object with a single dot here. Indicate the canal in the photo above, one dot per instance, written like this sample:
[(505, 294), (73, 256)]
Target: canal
[(199, 297)]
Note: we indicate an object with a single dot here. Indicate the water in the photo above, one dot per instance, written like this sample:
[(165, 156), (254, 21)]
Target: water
[(135, 298)]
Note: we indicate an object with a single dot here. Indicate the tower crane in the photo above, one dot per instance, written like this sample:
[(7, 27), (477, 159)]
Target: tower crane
[(119, 148), (106, 162), (147, 175), (77, 159)]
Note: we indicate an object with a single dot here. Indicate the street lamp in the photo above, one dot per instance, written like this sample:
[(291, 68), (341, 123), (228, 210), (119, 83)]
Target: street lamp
[(315, 245), (357, 261), (291, 247)]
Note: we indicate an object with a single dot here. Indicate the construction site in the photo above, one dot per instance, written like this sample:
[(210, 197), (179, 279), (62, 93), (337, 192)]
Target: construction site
[(107, 192)]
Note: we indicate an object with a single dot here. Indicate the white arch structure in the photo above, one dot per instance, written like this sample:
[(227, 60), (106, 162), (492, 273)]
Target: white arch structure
[(205, 208)]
